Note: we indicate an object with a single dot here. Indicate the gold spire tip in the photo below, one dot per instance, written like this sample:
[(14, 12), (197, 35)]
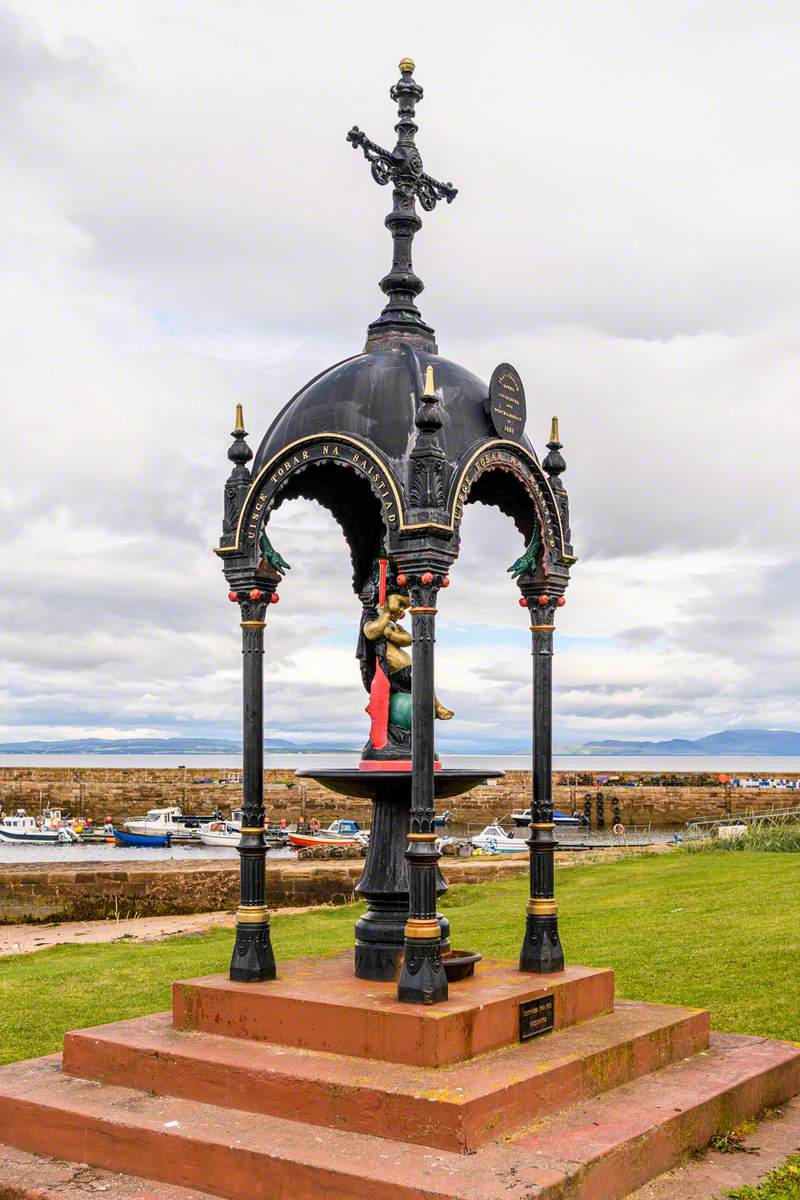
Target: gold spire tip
[(430, 386), (554, 430), (407, 65), (239, 423)]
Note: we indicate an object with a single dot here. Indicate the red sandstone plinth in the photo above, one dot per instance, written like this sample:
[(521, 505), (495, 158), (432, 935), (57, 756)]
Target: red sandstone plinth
[(319, 1085), (317, 1004)]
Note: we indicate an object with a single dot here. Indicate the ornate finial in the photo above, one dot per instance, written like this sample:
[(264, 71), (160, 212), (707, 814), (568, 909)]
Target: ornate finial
[(239, 452), (554, 463), (403, 167), (430, 387), (239, 480)]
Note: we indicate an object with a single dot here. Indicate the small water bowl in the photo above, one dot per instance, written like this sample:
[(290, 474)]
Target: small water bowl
[(459, 964)]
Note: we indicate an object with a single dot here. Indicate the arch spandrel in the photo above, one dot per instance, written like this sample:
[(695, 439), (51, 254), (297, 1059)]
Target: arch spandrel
[(506, 475), (324, 468)]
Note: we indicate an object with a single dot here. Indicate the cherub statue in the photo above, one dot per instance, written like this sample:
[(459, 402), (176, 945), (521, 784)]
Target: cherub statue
[(386, 670)]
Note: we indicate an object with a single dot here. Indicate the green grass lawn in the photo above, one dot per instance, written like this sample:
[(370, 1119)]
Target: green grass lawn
[(782, 1184), (711, 930)]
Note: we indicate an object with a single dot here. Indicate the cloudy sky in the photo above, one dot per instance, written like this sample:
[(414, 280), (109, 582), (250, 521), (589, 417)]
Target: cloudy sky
[(184, 227)]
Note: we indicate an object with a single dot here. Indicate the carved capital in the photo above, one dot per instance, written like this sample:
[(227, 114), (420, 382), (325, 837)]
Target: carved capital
[(542, 599), (253, 605), (423, 590)]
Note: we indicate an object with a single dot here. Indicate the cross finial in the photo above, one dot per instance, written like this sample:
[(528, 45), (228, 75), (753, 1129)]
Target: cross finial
[(403, 168)]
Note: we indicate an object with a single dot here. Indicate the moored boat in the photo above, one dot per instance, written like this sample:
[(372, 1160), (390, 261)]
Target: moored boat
[(343, 832), (22, 828), (220, 833), (229, 833), (122, 837), (522, 822), (160, 821), (494, 840)]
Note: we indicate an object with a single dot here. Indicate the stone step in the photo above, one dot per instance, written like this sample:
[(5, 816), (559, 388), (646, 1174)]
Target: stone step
[(318, 1004), (456, 1108), (235, 1155), (609, 1146), (600, 1149), (26, 1176)]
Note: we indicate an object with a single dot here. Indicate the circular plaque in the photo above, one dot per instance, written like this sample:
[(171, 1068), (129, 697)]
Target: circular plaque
[(507, 403)]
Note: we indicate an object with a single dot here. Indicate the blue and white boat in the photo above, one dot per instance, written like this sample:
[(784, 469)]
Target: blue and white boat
[(522, 822), (22, 828)]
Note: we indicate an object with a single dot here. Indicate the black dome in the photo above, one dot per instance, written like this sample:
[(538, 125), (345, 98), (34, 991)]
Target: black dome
[(373, 397)]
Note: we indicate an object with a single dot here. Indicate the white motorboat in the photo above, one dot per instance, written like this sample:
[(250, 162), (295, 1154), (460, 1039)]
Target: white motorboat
[(159, 821), (52, 818), (494, 840), (220, 833), (22, 828)]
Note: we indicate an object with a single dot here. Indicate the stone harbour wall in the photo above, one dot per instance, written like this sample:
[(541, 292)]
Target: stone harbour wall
[(100, 891), (119, 792)]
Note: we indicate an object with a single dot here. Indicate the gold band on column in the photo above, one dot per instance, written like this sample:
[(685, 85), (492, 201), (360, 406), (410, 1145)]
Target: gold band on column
[(542, 825), (423, 610), (423, 929), (542, 628), (542, 908), (252, 914), (422, 837), (253, 624), (252, 829)]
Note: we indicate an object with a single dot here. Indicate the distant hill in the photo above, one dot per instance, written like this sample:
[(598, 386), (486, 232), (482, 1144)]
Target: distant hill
[(158, 746), (730, 741)]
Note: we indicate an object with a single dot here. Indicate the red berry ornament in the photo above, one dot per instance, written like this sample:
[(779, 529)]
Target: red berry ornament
[(523, 603), (445, 582), (561, 602), (402, 581), (274, 598), (544, 599), (256, 594), (426, 578), (234, 596)]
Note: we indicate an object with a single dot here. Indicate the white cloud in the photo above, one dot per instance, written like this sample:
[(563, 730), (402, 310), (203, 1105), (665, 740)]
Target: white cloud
[(185, 228)]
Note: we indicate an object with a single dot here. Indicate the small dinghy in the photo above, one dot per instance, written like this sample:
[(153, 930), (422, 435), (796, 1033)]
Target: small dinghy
[(123, 837)]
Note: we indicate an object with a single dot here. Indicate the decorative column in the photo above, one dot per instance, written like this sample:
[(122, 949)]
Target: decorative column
[(252, 958), (422, 977), (541, 947)]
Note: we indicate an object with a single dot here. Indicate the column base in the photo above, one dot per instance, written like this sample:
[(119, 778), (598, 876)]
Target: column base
[(542, 952), (381, 938), (252, 960), (422, 976)]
